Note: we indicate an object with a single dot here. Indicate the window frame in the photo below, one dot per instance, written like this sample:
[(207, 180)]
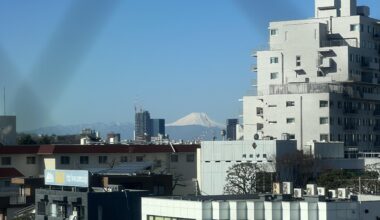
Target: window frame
[(31, 160), (84, 160), (65, 160)]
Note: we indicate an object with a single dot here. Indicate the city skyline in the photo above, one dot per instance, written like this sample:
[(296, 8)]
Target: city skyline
[(172, 58)]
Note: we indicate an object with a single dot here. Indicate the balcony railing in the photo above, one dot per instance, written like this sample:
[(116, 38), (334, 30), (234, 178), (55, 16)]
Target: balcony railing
[(17, 200), (376, 113), (350, 111), (340, 43), (349, 127)]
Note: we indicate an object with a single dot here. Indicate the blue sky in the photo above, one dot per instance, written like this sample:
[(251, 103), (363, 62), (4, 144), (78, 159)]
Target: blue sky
[(170, 57)]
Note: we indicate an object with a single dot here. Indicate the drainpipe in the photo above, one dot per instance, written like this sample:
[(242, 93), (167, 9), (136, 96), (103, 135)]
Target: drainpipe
[(282, 67)]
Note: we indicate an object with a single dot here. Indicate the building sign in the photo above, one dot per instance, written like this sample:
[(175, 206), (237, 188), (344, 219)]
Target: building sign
[(77, 178)]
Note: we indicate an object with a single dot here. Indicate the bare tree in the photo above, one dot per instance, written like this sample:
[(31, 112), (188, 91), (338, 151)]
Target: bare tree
[(242, 178)]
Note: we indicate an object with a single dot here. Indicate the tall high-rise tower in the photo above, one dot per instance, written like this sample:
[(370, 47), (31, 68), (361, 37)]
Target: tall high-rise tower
[(142, 126), (319, 79)]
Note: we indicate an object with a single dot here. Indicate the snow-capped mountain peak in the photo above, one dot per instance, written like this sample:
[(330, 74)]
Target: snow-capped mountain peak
[(196, 118)]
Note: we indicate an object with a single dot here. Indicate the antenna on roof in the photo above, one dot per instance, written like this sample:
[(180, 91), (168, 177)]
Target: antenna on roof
[(4, 102)]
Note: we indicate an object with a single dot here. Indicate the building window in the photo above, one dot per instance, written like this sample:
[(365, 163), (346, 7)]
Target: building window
[(273, 60), (323, 120), (290, 120), (190, 157), (30, 160), (298, 60), (264, 155), (174, 158), (139, 158), (289, 103), (323, 103), (102, 159), (273, 32), (272, 122), (6, 161), (83, 159), (65, 160), (292, 136), (354, 27), (124, 159), (157, 163), (324, 137), (273, 75)]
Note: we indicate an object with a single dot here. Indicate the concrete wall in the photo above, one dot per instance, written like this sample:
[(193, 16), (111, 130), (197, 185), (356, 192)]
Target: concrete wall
[(181, 169), (259, 210), (217, 157)]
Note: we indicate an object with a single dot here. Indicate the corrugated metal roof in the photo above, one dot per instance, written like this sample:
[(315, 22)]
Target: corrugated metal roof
[(95, 149), (10, 173), (128, 168)]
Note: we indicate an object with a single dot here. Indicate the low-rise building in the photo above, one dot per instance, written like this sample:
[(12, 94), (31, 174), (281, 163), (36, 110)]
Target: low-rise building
[(176, 160), (254, 207)]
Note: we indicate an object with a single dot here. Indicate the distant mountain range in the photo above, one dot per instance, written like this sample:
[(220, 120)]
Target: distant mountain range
[(195, 126)]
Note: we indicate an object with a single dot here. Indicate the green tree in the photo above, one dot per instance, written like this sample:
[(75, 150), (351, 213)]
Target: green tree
[(247, 178), (26, 139)]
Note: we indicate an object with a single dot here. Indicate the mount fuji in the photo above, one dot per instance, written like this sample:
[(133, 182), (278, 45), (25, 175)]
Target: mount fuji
[(195, 126), (196, 118)]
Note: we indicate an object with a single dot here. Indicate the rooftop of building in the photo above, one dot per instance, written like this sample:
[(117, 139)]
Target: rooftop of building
[(270, 198), (96, 149)]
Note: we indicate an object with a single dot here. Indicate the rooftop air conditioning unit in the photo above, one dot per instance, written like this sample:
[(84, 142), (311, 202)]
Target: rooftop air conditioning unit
[(342, 193), (311, 189), (333, 193), (287, 188), (321, 191), (297, 193), (277, 188)]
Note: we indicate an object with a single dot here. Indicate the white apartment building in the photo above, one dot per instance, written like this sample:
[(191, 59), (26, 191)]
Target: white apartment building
[(253, 207), (319, 79)]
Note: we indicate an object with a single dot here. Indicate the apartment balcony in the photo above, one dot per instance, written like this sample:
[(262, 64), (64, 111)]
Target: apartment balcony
[(376, 37), (376, 113), (349, 127), (347, 91), (370, 65), (350, 111), (17, 200), (260, 112), (351, 143), (340, 43), (325, 63), (376, 128), (254, 68)]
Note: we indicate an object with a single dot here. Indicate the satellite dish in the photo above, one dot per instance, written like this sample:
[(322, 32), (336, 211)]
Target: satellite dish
[(254, 145), (256, 136)]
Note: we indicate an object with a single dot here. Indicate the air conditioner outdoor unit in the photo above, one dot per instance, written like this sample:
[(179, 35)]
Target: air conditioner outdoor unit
[(311, 189), (333, 193), (321, 191), (277, 188), (342, 193), (287, 188), (297, 193)]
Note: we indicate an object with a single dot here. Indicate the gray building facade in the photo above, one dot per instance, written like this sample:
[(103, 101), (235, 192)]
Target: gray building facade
[(158, 127), (7, 130), (142, 126), (59, 204), (231, 128)]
